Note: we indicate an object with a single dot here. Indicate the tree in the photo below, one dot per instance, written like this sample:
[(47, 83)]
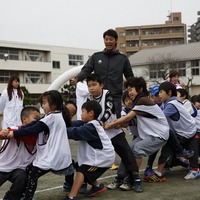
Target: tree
[(68, 92), (27, 96)]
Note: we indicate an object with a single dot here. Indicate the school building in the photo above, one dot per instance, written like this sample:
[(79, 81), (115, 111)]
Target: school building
[(37, 65), (154, 64)]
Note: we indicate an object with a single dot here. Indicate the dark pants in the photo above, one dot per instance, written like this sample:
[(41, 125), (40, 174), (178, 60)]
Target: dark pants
[(18, 179), (124, 151), (33, 174), (117, 101), (167, 153)]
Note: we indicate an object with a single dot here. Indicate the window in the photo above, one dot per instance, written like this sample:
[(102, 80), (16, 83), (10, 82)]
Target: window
[(180, 67), (34, 78), (33, 56), (195, 71), (56, 64), (195, 67), (5, 75), (75, 60), (195, 63), (12, 54), (122, 45), (175, 18), (157, 70), (122, 34)]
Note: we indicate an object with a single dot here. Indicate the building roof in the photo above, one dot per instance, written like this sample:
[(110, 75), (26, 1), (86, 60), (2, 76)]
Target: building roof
[(181, 52)]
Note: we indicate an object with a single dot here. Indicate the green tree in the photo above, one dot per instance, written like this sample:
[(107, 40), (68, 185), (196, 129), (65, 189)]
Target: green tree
[(68, 92), (27, 96)]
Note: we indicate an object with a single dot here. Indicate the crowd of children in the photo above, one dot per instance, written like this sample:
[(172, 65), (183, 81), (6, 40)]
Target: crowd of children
[(163, 119)]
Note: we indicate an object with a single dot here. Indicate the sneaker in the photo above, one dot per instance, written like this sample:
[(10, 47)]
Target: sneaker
[(115, 184), (114, 167), (127, 184), (83, 189), (148, 172), (67, 187), (94, 190), (67, 198), (137, 185), (186, 154), (185, 161), (154, 178), (192, 175)]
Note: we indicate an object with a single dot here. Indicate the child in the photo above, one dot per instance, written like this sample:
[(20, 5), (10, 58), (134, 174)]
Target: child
[(53, 151), (95, 151), (155, 95), (15, 156), (182, 94), (182, 126), (117, 135), (72, 107), (153, 129), (195, 99), (69, 179)]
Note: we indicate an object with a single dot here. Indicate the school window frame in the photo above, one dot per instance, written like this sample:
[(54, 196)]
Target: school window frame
[(156, 71), (13, 54), (5, 75), (56, 64), (195, 67), (75, 60)]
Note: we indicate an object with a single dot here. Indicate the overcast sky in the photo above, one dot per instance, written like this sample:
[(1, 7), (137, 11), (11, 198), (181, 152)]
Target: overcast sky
[(81, 23)]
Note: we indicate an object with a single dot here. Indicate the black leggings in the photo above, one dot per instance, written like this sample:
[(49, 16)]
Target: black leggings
[(33, 174)]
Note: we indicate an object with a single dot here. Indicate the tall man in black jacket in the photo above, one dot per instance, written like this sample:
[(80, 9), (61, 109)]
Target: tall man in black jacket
[(111, 65)]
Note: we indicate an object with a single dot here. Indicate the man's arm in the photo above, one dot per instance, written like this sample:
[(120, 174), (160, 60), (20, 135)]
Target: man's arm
[(87, 69), (128, 72)]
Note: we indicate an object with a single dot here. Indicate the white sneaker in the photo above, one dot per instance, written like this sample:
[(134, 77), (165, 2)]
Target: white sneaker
[(192, 175), (115, 184)]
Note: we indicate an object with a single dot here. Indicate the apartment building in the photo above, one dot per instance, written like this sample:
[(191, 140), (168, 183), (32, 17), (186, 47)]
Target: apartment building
[(135, 38), (194, 31), (37, 65)]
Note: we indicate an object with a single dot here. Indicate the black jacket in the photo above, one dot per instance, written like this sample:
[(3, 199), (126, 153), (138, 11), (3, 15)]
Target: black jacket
[(111, 66)]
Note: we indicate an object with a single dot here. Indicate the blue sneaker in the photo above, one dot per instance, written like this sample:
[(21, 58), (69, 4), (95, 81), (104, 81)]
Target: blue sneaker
[(67, 187), (96, 190), (148, 172), (83, 189)]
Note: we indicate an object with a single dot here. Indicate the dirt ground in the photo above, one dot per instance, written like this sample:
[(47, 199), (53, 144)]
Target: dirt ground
[(50, 186)]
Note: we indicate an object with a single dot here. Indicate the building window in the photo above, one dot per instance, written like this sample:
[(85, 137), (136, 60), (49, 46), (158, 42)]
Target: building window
[(195, 63), (195, 67), (175, 18), (5, 76), (122, 45), (75, 60), (180, 67), (122, 34), (156, 71), (12, 54), (56, 64), (34, 78), (33, 56), (195, 71)]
